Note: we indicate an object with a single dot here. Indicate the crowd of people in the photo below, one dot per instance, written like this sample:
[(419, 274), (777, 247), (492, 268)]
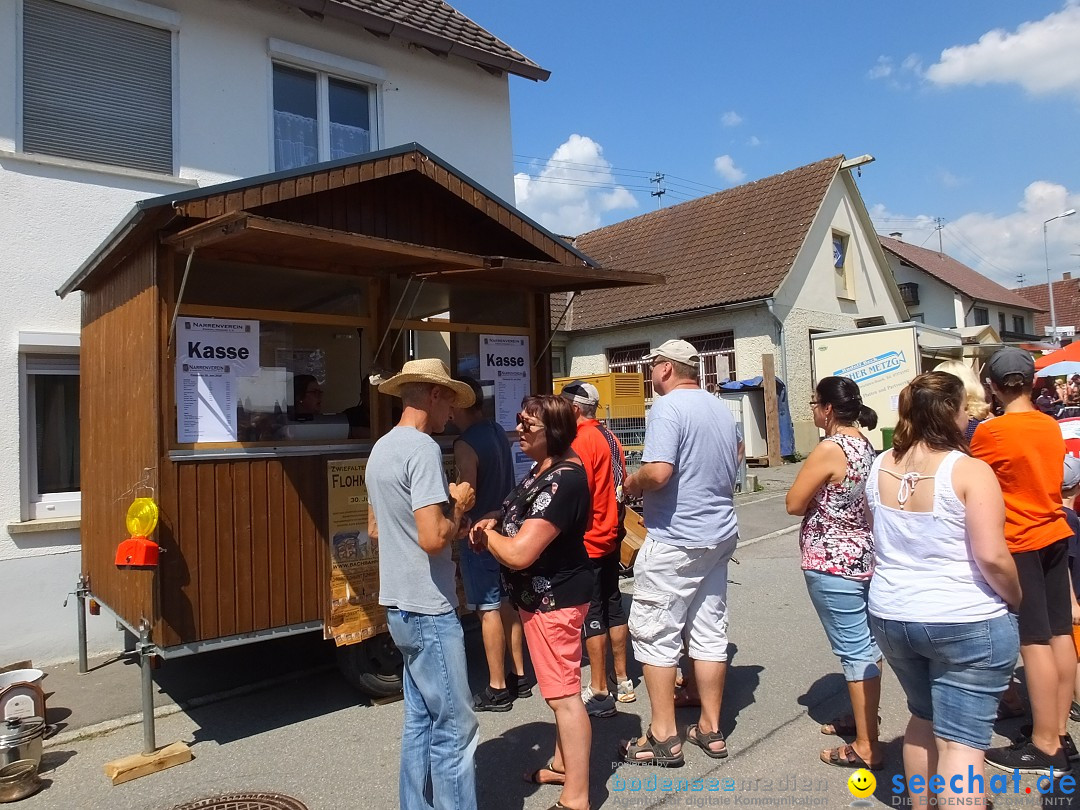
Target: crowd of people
[(946, 557), (549, 546)]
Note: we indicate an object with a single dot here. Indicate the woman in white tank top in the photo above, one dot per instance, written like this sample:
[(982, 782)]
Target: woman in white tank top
[(944, 584)]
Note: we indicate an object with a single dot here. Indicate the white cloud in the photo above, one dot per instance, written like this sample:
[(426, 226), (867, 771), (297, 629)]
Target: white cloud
[(1001, 247), (731, 119), (726, 168), (882, 68), (1040, 56), (753, 140), (572, 189), (950, 180)]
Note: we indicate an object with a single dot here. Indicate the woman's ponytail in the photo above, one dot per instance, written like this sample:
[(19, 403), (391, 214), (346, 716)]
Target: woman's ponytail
[(867, 417)]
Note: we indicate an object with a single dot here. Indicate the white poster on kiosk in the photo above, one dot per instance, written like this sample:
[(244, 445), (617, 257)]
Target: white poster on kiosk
[(504, 361), (211, 353)]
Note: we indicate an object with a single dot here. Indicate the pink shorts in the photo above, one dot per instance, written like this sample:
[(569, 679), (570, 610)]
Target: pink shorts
[(554, 640)]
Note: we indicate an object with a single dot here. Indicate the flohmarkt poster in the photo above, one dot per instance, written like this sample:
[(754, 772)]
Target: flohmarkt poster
[(211, 353), (355, 613)]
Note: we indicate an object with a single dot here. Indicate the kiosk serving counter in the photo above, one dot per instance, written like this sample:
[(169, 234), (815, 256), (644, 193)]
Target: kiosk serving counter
[(227, 336)]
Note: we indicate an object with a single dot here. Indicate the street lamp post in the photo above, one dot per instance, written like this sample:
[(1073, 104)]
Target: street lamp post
[(1049, 283)]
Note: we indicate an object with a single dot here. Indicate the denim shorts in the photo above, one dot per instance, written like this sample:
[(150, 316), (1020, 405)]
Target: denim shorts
[(952, 674), (480, 576), (841, 605)]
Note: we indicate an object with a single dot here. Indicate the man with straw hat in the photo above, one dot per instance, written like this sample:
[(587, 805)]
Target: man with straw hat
[(416, 515)]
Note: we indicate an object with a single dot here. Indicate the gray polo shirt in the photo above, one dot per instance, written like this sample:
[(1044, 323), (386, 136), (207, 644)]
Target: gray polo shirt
[(694, 432), (405, 473)]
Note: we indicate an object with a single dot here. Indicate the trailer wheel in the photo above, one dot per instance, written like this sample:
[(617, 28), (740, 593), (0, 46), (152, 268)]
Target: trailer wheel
[(373, 666)]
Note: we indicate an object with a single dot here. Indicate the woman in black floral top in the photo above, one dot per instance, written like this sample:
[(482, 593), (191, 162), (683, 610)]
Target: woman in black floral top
[(838, 558), (539, 541)]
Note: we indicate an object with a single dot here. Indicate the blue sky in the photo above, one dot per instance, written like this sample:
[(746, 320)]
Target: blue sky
[(972, 110)]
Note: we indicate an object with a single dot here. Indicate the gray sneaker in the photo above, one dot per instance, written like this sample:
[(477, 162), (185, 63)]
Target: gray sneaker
[(624, 690), (600, 705)]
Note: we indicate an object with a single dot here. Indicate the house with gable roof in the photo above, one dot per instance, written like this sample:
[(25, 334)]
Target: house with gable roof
[(752, 270), (1066, 307), (107, 103), (940, 291)]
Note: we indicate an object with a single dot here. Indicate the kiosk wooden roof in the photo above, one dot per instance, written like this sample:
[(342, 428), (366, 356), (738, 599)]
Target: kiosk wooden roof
[(243, 535)]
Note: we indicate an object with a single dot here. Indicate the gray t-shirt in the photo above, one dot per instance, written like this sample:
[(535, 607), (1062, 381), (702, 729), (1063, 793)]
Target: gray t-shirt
[(694, 432), (405, 473)]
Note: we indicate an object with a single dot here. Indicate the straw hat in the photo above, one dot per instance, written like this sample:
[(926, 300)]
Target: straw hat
[(429, 371)]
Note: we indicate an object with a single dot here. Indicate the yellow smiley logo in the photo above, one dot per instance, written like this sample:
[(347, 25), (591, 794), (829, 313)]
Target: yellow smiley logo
[(861, 783)]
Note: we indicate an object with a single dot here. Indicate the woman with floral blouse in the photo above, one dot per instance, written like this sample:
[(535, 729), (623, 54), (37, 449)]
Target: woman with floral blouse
[(838, 559), (539, 541)]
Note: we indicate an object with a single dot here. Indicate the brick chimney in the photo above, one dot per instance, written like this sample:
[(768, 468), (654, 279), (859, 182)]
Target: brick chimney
[(1066, 276)]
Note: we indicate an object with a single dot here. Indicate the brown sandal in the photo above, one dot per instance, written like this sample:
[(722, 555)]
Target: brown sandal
[(660, 750), (704, 741), (842, 727), (534, 777), (845, 756)]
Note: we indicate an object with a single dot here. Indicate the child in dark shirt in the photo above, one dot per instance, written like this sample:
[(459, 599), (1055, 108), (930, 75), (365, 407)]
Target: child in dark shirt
[(1070, 488)]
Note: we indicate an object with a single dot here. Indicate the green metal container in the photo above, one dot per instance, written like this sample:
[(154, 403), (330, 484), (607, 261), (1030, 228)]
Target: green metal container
[(886, 438)]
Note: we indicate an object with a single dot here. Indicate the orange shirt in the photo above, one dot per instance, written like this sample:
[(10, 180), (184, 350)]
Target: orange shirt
[(595, 454), (1027, 453)]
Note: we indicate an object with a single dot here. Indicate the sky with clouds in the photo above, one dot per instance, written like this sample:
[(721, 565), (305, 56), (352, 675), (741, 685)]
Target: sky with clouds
[(973, 116)]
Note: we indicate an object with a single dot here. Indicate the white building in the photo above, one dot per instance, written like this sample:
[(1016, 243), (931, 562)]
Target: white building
[(940, 291), (106, 102), (752, 270)]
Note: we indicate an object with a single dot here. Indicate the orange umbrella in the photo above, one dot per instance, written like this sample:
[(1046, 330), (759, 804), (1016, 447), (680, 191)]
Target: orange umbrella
[(1070, 352)]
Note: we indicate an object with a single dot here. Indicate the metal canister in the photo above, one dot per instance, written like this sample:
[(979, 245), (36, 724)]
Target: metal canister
[(20, 738)]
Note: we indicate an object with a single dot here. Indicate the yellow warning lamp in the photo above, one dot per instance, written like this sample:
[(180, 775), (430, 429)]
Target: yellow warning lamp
[(138, 551)]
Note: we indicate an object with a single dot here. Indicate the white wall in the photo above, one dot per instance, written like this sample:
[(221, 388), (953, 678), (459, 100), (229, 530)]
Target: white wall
[(54, 213), (940, 304), (806, 301)]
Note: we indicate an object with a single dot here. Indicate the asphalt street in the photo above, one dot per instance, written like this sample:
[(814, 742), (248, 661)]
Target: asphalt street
[(313, 738)]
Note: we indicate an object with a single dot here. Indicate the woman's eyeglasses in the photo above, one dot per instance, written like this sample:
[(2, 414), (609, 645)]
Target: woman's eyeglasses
[(528, 423)]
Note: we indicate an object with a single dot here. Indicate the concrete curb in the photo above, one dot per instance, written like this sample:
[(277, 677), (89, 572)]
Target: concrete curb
[(107, 726)]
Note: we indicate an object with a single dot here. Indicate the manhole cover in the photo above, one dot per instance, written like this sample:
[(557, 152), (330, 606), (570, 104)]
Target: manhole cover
[(244, 801)]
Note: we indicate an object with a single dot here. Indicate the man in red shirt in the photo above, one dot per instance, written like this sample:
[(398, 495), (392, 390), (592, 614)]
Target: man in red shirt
[(605, 466)]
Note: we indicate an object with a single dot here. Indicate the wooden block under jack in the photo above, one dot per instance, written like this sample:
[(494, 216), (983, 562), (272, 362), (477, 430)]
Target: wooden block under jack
[(136, 765)]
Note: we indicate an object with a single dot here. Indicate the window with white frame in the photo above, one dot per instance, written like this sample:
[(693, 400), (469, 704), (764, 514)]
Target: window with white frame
[(628, 359), (96, 87), (320, 117), (716, 353), (49, 431), (842, 266)]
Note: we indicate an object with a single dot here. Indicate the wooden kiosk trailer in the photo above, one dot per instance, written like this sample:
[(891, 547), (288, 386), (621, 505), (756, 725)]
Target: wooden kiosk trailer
[(199, 313)]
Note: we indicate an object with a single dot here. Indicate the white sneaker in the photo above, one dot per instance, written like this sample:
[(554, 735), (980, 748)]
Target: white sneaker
[(624, 691), (587, 693)]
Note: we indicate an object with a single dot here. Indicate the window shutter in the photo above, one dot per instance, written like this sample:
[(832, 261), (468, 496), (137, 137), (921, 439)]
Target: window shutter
[(96, 87)]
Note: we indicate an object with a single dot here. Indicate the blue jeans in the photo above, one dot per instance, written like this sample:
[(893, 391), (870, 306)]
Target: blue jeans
[(438, 741), (952, 673), (841, 605), (481, 578)]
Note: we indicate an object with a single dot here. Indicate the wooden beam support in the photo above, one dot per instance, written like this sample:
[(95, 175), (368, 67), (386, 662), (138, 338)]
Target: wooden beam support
[(772, 409), (128, 768)]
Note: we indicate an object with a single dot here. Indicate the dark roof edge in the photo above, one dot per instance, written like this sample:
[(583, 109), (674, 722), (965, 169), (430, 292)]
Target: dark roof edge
[(391, 28), (682, 313), (143, 206), (1031, 306)]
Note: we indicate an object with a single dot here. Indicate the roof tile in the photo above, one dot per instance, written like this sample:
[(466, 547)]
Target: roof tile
[(735, 245), (1066, 303), (956, 275), (442, 20)]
